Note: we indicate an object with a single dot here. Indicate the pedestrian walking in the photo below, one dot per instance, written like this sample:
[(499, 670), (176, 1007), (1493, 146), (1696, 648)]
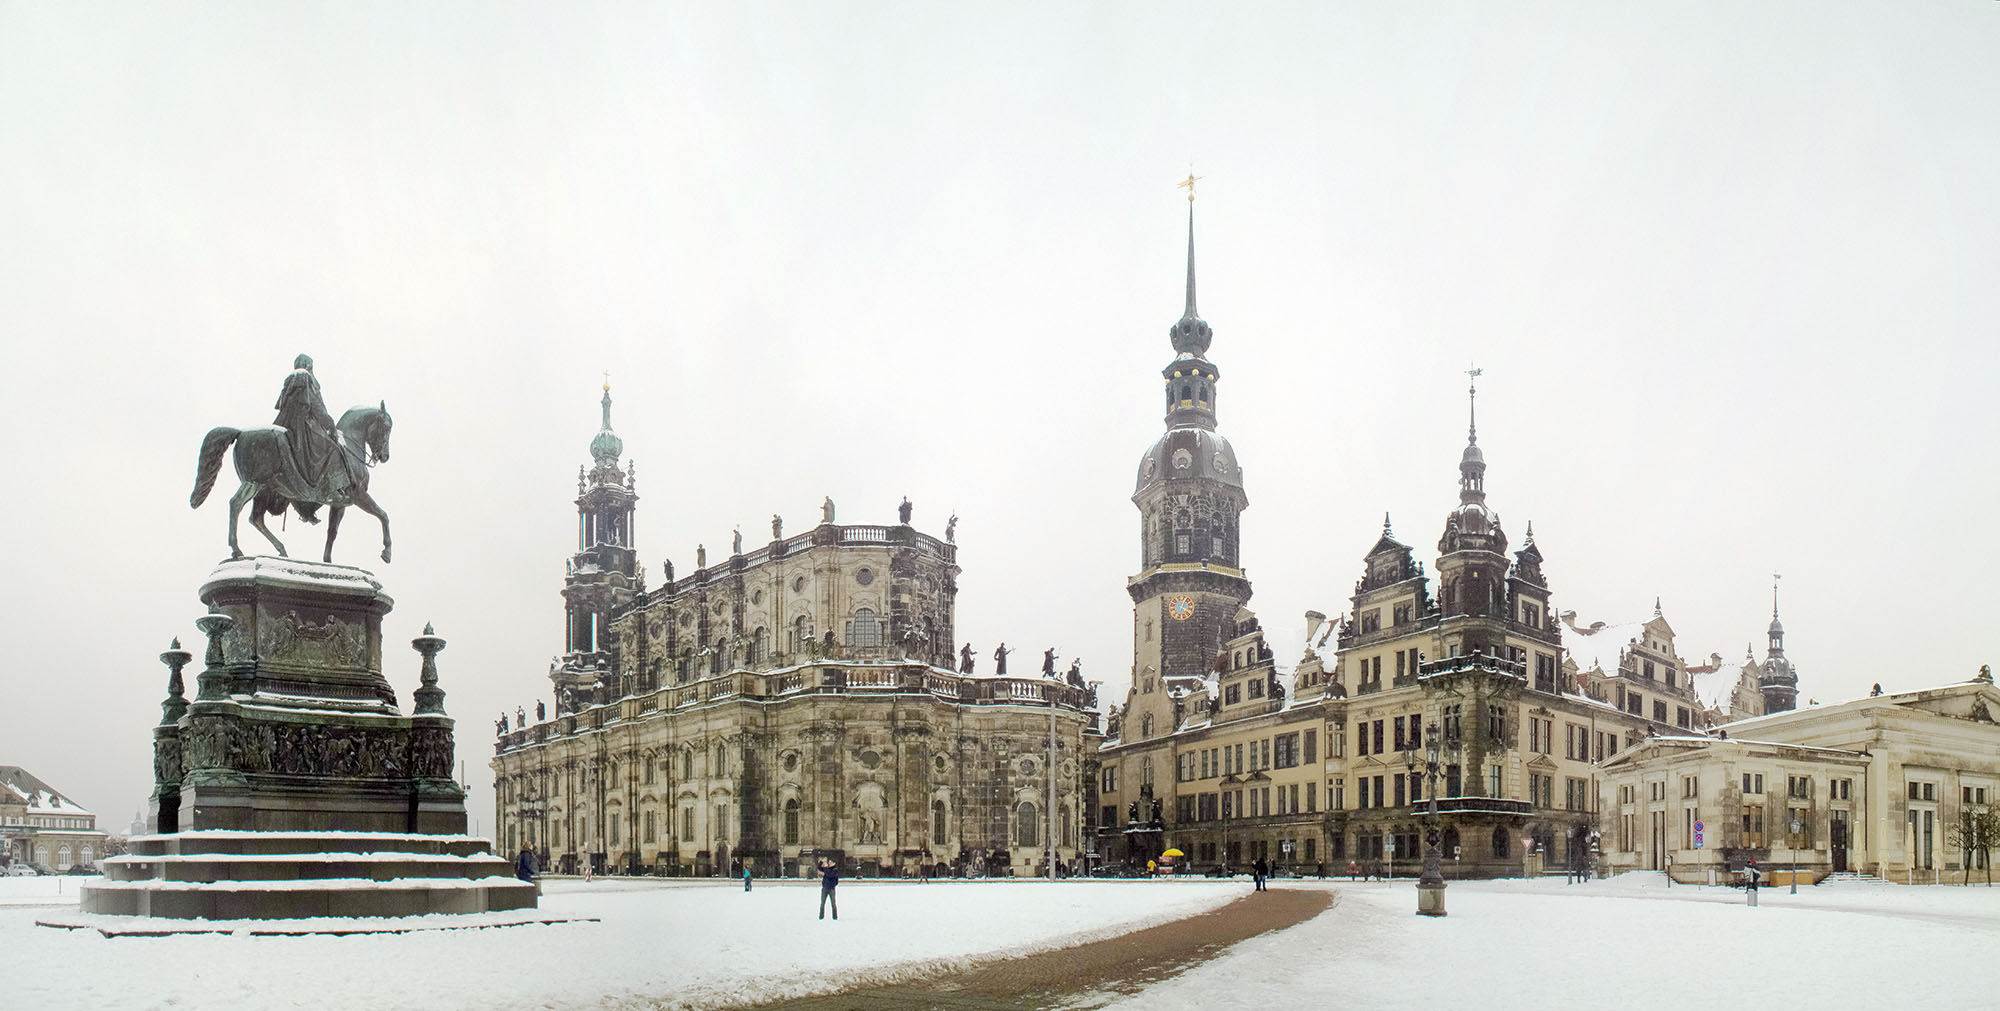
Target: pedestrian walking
[(829, 877), (1259, 870), (746, 877), (524, 865), (1753, 876)]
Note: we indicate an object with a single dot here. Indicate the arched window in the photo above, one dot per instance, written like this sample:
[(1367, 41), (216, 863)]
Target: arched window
[(937, 822), (1500, 844), (792, 822), (864, 630), (1146, 727), (62, 857), (1025, 823), (722, 760), (718, 655), (758, 640), (801, 634), (687, 763), (1146, 768), (89, 855)]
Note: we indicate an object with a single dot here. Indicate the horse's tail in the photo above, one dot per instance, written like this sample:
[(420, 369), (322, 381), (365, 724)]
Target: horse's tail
[(213, 445)]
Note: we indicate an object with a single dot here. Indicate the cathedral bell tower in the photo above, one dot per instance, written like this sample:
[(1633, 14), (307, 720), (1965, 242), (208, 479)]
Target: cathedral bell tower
[(1191, 584), (603, 574)]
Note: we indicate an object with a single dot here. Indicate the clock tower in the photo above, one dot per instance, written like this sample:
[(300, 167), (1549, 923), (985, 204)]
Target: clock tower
[(1189, 493)]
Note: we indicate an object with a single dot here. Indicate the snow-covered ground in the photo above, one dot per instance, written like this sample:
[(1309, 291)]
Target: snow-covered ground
[(658, 944), (1627, 942), (1630, 942)]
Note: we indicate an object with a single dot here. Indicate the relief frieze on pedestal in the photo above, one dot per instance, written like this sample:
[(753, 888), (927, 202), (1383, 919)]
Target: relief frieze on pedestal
[(332, 643), (300, 749)]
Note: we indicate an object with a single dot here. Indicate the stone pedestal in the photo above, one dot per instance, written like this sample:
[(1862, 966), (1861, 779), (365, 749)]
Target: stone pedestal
[(294, 728), (292, 785)]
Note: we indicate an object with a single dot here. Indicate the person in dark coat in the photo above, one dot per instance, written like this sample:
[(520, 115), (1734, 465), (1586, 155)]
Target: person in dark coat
[(1260, 870), (524, 865), (829, 876)]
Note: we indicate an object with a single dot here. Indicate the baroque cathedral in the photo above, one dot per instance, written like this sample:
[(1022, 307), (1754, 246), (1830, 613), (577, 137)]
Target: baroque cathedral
[(790, 702)]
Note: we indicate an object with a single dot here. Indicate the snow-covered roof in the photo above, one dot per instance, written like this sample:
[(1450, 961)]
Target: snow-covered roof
[(36, 794)]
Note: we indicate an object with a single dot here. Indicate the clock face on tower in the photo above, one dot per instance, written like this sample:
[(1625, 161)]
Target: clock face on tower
[(1181, 608)]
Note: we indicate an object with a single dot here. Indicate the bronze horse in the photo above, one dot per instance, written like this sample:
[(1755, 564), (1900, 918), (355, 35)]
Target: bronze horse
[(272, 481)]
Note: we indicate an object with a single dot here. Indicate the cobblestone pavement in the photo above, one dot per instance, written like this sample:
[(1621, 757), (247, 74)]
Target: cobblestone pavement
[(1088, 975)]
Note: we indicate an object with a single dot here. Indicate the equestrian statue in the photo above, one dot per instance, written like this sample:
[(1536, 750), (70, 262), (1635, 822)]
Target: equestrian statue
[(304, 460)]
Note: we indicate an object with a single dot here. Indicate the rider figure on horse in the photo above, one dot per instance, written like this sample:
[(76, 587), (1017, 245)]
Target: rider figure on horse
[(312, 438), (303, 461)]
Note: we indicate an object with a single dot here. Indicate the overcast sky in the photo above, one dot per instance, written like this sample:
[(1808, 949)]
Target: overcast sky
[(1729, 270)]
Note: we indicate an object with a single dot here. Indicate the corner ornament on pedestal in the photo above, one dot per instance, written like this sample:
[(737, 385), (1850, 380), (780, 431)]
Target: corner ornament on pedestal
[(301, 461)]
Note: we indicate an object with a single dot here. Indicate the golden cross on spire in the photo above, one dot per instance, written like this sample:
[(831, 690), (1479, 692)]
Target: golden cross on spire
[(607, 381), (1188, 183)]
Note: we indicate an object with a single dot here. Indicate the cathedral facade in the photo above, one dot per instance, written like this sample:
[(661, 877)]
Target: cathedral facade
[(794, 701)]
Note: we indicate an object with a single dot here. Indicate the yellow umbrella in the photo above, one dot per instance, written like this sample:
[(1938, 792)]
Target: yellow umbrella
[(1173, 853)]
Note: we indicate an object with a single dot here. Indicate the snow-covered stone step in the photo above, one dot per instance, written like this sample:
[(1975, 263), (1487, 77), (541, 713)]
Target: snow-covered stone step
[(377, 866), (300, 899)]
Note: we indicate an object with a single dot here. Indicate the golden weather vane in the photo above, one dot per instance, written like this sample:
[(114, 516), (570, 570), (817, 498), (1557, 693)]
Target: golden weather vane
[(1188, 183)]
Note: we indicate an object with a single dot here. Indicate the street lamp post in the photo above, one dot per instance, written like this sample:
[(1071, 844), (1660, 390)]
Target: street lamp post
[(1795, 855), (1430, 885), (1222, 810)]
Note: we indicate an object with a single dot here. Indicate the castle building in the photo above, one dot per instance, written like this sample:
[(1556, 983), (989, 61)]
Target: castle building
[(794, 701), (1215, 755), (1484, 665)]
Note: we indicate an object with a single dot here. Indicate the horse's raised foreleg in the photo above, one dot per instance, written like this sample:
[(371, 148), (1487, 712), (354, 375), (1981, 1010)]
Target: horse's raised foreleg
[(332, 531), (367, 504), (248, 493)]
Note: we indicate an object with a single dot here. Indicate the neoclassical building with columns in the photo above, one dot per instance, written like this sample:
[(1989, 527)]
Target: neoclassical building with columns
[(793, 701)]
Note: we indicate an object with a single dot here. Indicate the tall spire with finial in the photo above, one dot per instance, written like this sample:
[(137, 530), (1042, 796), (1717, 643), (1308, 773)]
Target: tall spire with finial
[(1472, 464), (1472, 405), (1191, 335)]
